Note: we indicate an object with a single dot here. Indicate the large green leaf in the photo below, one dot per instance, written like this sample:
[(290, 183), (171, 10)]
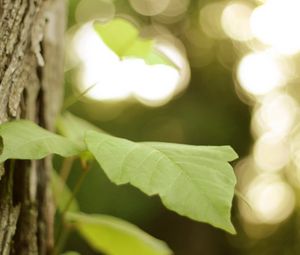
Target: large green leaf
[(122, 37), (114, 236), (195, 181), (23, 139)]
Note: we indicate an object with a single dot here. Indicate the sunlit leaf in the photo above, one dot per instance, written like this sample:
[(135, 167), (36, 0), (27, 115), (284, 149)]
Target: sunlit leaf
[(195, 181), (62, 194), (23, 139), (114, 236), (119, 34), (123, 38), (155, 57)]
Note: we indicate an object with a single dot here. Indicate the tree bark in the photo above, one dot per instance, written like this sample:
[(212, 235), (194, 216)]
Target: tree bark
[(31, 75)]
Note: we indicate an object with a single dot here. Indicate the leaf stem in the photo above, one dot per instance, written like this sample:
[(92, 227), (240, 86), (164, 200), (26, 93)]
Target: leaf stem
[(75, 190), (74, 98), (65, 230), (66, 169)]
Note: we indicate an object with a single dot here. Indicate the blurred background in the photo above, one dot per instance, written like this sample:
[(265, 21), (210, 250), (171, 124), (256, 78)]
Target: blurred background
[(236, 84)]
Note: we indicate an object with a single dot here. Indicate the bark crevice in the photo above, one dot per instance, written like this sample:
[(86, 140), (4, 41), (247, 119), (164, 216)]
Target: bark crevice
[(31, 76)]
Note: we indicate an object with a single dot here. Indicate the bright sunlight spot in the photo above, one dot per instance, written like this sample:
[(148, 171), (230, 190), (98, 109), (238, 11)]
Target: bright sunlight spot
[(271, 200), (276, 23), (100, 67), (240, 30), (271, 152), (277, 113), (153, 85), (260, 73), (104, 77)]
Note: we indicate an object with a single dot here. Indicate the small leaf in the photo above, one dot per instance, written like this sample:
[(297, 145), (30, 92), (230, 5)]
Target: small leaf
[(155, 57), (122, 37), (195, 181), (119, 34), (23, 139), (62, 194), (115, 236)]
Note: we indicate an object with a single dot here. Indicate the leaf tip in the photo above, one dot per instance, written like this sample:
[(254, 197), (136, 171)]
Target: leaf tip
[(231, 229), (232, 155)]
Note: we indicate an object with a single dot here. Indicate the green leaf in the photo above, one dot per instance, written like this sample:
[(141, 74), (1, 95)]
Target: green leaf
[(23, 139), (195, 181), (74, 128), (115, 236), (122, 37), (155, 57), (62, 194), (119, 34)]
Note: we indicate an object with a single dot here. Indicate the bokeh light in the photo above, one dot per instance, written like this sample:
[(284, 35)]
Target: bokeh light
[(271, 200), (175, 50), (154, 85), (149, 7), (277, 113), (261, 72), (176, 8), (174, 12), (254, 42), (276, 23), (236, 20), (99, 67), (271, 152), (106, 77), (270, 172)]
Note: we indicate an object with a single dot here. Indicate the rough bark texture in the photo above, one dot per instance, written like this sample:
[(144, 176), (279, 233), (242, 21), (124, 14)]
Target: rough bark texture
[(31, 58)]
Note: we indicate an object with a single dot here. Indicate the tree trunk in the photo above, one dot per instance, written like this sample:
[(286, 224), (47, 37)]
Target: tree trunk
[(31, 75)]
